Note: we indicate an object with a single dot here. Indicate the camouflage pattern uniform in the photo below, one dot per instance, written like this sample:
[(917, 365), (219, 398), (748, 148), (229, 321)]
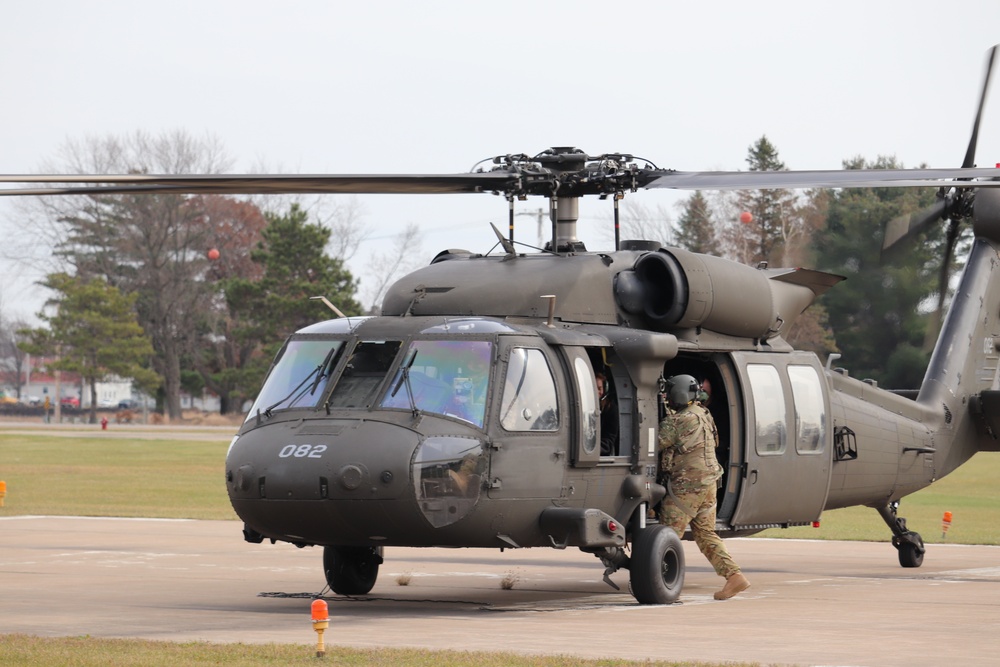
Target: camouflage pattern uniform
[(688, 468)]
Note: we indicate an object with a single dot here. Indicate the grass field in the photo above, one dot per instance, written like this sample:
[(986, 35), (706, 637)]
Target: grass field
[(99, 476), (87, 652)]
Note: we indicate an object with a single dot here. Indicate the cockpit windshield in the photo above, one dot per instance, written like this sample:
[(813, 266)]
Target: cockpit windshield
[(364, 373), (449, 377), (299, 377)]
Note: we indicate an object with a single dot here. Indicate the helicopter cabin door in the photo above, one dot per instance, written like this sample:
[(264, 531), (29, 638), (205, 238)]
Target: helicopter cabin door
[(527, 450), (786, 474)]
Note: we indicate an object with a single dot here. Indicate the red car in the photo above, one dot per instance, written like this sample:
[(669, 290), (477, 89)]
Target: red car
[(70, 402)]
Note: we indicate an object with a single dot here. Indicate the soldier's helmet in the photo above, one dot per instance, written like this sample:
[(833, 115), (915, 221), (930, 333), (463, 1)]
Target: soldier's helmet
[(681, 390)]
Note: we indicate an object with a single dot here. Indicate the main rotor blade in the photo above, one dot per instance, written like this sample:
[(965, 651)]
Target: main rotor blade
[(842, 178), (539, 182), (970, 153), (262, 184), (901, 229)]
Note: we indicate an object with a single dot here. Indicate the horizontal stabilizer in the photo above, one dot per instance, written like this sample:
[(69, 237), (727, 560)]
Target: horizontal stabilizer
[(818, 281)]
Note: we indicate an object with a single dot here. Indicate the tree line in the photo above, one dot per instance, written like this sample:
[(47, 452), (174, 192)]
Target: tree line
[(136, 292), (178, 293)]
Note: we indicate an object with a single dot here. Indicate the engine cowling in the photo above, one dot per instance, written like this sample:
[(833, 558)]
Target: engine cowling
[(674, 289)]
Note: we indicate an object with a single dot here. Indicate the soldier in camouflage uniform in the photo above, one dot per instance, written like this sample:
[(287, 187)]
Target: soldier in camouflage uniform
[(688, 468)]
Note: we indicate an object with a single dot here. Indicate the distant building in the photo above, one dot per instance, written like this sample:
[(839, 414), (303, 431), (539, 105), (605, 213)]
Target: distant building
[(109, 393), (35, 383), (42, 385)]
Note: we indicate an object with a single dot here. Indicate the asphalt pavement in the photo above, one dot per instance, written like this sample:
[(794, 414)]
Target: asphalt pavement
[(810, 603)]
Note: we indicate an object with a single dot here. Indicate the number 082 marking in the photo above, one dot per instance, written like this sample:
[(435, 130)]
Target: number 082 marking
[(302, 451)]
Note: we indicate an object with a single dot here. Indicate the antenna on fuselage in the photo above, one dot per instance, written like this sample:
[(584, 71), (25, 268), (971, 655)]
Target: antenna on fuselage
[(328, 304), (505, 243), (552, 310)]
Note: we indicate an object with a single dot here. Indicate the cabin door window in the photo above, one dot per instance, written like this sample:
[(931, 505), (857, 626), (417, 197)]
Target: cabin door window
[(810, 424), (769, 407)]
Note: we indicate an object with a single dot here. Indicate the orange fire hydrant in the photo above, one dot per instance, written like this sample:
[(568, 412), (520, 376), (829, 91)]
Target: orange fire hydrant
[(104, 423)]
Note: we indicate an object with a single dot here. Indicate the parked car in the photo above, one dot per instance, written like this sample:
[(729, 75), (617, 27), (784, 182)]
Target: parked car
[(128, 404), (70, 402)]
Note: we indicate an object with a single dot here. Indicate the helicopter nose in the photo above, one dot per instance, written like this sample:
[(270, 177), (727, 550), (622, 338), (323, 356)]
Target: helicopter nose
[(319, 461), (351, 482)]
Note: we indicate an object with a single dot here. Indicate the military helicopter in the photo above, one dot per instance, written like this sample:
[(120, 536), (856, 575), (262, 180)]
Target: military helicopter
[(466, 414)]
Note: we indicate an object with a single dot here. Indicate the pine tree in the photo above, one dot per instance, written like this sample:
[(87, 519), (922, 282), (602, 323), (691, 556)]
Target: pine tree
[(876, 312), (296, 268), (774, 217), (92, 331), (695, 227)]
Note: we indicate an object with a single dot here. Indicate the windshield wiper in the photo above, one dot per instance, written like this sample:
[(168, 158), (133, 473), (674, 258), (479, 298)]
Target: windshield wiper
[(404, 376), (324, 369), (294, 395)]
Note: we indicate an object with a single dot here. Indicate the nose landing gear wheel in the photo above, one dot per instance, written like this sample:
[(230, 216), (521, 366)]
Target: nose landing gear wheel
[(656, 568), (351, 570), (911, 549)]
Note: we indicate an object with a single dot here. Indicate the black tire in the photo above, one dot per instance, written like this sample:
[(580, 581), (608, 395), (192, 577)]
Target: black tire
[(656, 569), (351, 570), (911, 553)]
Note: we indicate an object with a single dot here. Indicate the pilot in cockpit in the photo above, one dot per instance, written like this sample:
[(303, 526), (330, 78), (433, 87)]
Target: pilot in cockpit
[(609, 416)]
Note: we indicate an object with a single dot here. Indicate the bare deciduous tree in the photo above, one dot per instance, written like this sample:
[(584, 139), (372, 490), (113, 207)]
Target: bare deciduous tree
[(385, 267), (640, 222), (151, 245), (342, 216), (12, 358)]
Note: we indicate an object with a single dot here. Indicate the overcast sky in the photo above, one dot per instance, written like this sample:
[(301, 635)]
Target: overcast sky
[(403, 86)]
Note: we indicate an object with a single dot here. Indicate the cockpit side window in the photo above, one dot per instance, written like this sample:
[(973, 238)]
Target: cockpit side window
[(589, 415), (529, 395), (447, 377), (299, 376)]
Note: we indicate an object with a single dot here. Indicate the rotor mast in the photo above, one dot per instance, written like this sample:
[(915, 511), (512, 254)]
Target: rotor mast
[(569, 173), (564, 210), (564, 213)]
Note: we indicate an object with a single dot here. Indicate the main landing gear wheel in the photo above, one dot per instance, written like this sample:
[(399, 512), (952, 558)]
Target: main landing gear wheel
[(351, 570), (656, 569), (909, 545), (911, 549)]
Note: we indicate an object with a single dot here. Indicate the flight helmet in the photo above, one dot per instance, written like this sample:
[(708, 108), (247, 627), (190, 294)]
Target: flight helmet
[(681, 390)]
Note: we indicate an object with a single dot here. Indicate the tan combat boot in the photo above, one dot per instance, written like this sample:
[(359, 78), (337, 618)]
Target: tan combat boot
[(735, 583)]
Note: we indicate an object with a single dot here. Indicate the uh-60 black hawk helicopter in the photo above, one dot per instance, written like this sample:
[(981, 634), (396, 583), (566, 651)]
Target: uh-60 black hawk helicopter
[(466, 413)]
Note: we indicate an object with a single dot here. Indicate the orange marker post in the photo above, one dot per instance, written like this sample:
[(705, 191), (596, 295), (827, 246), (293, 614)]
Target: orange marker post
[(321, 621), (3, 491), (945, 524)]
